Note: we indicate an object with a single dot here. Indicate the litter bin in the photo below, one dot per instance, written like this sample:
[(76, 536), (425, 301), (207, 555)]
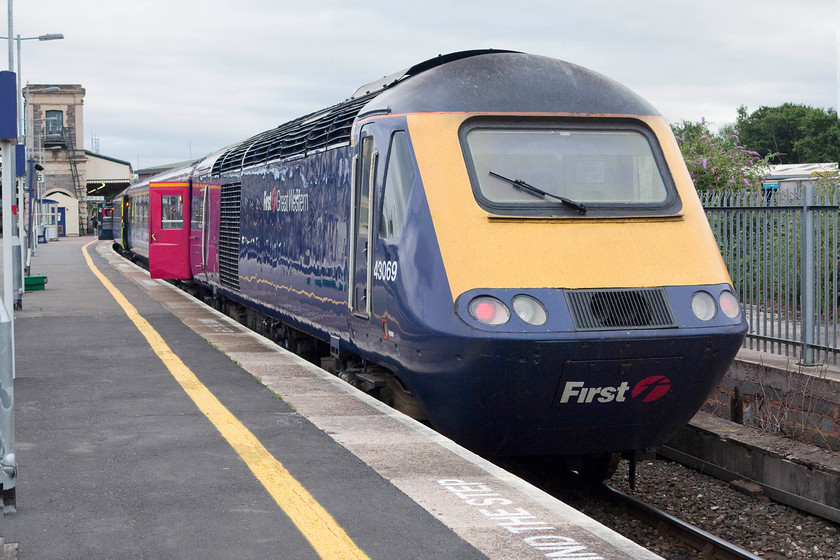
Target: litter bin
[(35, 283)]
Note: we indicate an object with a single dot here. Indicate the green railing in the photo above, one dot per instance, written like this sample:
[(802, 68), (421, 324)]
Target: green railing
[(781, 249)]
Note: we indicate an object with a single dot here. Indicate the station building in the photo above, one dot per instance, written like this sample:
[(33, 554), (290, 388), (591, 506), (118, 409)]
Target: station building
[(73, 179)]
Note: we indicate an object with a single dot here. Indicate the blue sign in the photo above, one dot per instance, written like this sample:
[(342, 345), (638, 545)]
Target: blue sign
[(8, 105), (20, 160)]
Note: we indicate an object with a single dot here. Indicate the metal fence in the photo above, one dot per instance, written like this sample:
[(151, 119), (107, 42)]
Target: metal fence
[(782, 253)]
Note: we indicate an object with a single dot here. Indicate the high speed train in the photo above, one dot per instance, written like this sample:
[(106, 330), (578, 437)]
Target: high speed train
[(508, 246)]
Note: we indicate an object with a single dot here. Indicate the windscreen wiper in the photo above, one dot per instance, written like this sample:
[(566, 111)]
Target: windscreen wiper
[(539, 193)]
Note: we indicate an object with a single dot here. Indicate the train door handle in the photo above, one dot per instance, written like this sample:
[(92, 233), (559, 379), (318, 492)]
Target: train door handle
[(153, 237)]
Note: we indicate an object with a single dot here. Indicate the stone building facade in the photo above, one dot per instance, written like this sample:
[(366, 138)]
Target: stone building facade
[(55, 128)]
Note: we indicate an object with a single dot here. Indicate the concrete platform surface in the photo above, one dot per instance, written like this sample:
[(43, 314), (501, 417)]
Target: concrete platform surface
[(117, 461)]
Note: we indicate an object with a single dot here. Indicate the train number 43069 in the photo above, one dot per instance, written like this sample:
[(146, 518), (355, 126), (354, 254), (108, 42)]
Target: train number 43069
[(385, 270)]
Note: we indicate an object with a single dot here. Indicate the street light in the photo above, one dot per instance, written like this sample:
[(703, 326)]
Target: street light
[(47, 37)]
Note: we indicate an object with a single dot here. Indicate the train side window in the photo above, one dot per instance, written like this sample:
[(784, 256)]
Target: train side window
[(197, 209), (399, 176), (363, 200), (172, 211)]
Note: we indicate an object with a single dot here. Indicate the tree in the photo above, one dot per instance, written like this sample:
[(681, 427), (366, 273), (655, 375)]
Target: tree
[(791, 133), (718, 161)]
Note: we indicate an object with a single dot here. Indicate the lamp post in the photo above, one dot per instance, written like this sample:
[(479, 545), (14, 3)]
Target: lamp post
[(18, 38)]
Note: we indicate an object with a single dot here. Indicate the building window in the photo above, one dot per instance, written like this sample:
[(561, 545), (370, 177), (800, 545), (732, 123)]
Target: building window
[(55, 122)]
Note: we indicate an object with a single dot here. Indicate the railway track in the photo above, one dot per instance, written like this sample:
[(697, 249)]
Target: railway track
[(704, 542), (667, 535)]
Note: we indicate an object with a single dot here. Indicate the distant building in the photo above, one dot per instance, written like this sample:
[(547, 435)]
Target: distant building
[(55, 125), (55, 130), (106, 177), (146, 172), (791, 177)]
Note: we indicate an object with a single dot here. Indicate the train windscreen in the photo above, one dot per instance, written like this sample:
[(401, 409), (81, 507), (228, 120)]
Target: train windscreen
[(574, 167)]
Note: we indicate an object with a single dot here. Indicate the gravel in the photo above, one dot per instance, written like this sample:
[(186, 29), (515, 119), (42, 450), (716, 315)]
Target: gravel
[(756, 524)]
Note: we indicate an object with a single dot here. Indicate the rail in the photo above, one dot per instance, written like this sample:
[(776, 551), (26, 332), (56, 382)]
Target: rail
[(698, 539), (576, 490), (781, 250)]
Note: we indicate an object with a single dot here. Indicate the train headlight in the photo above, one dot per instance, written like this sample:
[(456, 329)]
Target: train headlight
[(489, 310), (703, 305), (530, 310), (729, 304)]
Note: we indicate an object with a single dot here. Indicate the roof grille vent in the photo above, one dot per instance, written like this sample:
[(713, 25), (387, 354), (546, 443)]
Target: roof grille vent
[(322, 130)]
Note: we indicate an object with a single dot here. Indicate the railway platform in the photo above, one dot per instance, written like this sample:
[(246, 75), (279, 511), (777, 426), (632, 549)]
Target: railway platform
[(148, 425)]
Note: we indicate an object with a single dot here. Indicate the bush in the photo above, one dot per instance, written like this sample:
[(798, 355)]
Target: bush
[(718, 161)]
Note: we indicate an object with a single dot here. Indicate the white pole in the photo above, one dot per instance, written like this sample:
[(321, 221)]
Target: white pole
[(17, 93), (10, 36), (8, 183), (21, 182), (8, 195), (8, 188)]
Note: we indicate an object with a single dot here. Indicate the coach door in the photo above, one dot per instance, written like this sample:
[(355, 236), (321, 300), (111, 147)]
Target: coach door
[(169, 230), (361, 224), (198, 229)]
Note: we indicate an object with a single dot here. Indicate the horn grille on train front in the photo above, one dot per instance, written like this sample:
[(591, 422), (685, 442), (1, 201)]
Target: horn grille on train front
[(644, 308)]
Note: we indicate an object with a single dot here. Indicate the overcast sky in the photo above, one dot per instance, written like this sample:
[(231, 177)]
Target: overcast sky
[(168, 80)]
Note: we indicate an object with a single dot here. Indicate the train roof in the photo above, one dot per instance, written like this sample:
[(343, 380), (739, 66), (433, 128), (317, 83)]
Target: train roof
[(510, 82), (390, 81), (474, 81), (180, 173)]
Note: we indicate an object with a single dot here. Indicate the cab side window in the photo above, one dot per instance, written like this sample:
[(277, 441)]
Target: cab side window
[(399, 176)]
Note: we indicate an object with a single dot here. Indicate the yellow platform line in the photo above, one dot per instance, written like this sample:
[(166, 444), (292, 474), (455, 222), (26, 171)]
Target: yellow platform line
[(325, 535)]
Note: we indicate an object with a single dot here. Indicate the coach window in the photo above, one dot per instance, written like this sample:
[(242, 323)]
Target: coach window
[(172, 211), (399, 176)]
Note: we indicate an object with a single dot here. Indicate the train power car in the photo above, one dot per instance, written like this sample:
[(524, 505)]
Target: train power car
[(507, 245)]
